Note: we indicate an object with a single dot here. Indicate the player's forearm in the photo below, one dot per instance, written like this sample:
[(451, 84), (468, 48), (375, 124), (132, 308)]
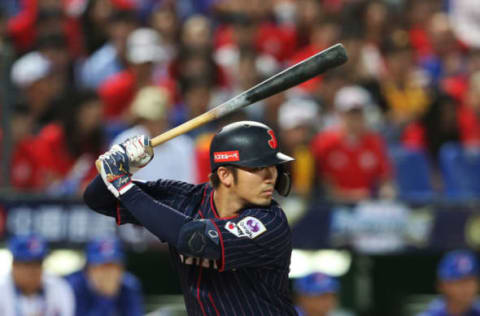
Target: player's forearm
[(160, 219), (99, 199), (188, 236)]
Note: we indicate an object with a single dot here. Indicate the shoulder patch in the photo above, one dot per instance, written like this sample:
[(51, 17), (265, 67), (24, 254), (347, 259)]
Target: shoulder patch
[(233, 228), (251, 227)]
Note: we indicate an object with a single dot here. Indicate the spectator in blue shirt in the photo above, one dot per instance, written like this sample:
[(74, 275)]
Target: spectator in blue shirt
[(457, 275), (103, 287)]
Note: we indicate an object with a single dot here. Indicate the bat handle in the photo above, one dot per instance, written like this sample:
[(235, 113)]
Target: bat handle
[(98, 165), (184, 128), (179, 130)]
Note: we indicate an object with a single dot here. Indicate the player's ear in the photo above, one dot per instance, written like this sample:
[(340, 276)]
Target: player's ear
[(225, 175)]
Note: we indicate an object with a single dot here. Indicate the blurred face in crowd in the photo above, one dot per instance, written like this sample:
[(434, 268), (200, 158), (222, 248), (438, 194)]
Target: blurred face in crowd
[(100, 12), (106, 278), (196, 32), (143, 73), (197, 99), (164, 20), (40, 93), (118, 33), (89, 117), (318, 305), (354, 121), (376, 15), (27, 276), (460, 293), (399, 63), (298, 135)]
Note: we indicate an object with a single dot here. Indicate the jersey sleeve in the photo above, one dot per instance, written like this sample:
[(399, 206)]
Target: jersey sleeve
[(256, 238), (169, 192)]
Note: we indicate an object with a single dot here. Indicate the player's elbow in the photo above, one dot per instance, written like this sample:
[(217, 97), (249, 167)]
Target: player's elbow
[(199, 238)]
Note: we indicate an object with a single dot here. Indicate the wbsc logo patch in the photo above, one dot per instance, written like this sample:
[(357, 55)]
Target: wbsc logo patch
[(226, 156)]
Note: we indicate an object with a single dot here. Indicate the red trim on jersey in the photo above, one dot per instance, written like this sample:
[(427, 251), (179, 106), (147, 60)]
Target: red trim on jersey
[(204, 195), (198, 291), (222, 265), (213, 303), (214, 210), (118, 220)]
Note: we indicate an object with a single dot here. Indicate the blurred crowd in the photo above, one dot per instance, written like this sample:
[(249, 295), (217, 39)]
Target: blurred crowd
[(400, 119)]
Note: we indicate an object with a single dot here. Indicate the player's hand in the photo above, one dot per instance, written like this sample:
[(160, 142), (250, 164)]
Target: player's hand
[(114, 170), (139, 151)]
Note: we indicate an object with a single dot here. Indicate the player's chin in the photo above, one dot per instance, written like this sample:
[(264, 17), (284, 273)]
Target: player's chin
[(264, 200)]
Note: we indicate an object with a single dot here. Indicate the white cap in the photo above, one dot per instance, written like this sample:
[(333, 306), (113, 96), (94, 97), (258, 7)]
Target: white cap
[(145, 45), (297, 112), (30, 68), (150, 103), (351, 97)]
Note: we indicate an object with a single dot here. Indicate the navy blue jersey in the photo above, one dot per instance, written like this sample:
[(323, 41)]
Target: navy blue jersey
[(439, 308), (250, 276)]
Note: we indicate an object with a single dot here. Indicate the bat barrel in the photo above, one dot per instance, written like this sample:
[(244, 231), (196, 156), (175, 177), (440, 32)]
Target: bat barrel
[(331, 57)]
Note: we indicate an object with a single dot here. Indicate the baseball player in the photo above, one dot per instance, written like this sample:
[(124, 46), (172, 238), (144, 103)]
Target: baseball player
[(229, 240), (457, 275)]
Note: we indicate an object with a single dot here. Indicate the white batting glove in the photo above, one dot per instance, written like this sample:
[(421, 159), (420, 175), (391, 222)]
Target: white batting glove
[(114, 171), (139, 151)]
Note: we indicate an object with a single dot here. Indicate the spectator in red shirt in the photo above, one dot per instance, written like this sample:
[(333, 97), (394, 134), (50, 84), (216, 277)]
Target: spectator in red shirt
[(351, 159), (144, 52), (66, 151)]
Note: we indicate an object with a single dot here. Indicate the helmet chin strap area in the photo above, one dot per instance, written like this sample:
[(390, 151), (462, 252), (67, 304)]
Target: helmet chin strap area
[(284, 183)]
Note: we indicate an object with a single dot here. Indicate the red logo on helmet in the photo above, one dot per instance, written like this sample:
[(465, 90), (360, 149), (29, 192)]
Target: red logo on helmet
[(226, 156), (273, 140)]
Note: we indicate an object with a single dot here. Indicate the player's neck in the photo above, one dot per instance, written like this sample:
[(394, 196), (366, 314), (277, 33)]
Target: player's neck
[(226, 203)]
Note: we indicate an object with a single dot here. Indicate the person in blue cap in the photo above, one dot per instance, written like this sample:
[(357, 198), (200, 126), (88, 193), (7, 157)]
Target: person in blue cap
[(28, 290), (457, 275), (317, 295), (103, 287)]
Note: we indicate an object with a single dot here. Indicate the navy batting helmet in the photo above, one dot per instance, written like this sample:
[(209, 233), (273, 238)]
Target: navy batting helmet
[(249, 144)]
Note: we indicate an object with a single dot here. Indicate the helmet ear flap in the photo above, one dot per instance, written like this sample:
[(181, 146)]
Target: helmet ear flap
[(284, 183)]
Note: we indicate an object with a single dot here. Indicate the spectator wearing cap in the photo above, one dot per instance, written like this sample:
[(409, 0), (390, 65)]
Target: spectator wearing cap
[(144, 53), (109, 59), (38, 86), (34, 76), (27, 289), (457, 275), (317, 295), (103, 287), (173, 159), (351, 159), (297, 120)]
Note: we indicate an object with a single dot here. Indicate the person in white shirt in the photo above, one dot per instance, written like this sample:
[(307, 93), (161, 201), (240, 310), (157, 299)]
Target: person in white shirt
[(174, 159), (27, 290)]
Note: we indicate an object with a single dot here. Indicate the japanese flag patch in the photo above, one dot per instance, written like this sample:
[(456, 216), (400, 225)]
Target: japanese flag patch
[(251, 227), (233, 228)]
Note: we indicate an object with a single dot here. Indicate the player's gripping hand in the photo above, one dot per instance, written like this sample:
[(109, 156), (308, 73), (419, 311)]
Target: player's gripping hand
[(139, 151), (114, 170)]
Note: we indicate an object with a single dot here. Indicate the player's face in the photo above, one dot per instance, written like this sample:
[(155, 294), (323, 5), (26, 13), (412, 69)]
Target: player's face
[(460, 292), (256, 185), (27, 276), (106, 278), (318, 305)]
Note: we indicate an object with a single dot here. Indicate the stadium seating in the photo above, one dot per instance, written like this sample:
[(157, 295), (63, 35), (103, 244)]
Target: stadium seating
[(412, 175), (460, 168)]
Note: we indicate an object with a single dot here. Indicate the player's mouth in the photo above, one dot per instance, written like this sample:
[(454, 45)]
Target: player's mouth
[(268, 192)]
